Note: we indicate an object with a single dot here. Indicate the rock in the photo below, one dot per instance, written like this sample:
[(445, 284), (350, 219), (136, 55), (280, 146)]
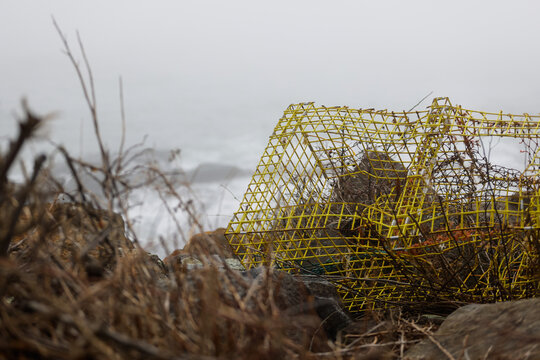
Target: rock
[(173, 257), (373, 337), (145, 267), (506, 330), (179, 258), (291, 295), (184, 261), (317, 294), (157, 262), (211, 246), (309, 309), (260, 312), (208, 243), (375, 174), (327, 303), (191, 263), (321, 297), (235, 264), (75, 234)]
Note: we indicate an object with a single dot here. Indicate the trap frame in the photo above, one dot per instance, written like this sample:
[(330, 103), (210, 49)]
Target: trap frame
[(398, 208)]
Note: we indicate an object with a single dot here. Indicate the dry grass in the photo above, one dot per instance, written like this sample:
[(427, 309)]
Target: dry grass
[(75, 284), (72, 286)]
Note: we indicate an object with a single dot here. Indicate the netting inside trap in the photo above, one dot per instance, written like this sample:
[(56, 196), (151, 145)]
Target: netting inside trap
[(399, 208)]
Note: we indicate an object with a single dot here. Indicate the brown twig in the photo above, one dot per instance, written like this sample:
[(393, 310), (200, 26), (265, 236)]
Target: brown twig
[(21, 198), (432, 339)]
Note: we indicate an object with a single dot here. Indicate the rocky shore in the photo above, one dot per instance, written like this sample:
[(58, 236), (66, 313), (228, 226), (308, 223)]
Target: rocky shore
[(203, 297)]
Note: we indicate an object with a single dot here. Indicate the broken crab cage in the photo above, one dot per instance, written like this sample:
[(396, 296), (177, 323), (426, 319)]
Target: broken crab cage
[(396, 208)]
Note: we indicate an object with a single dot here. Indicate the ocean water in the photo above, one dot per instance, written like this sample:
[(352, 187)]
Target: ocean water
[(164, 223), (208, 181)]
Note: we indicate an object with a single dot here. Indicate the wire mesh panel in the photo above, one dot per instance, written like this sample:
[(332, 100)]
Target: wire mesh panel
[(398, 208)]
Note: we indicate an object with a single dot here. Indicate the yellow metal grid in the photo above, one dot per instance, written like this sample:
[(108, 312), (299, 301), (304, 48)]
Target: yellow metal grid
[(399, 208)]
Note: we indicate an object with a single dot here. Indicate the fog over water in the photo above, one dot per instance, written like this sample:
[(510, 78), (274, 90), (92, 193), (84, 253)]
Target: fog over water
[(213, 77)]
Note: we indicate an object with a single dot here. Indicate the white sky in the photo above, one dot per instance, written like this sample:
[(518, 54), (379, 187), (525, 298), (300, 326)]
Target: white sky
[(224, 69)]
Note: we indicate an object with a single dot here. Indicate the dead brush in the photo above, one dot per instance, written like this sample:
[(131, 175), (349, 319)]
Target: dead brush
[(73, 285), (383, 335), (50, 312), (54, 305)]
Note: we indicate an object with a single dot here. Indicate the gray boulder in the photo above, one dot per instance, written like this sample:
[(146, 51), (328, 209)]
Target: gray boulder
[(327, 304), (312, 304), (506, 330), (260, 293)]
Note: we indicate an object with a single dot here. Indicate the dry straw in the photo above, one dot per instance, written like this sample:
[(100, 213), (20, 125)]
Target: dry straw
[(74, 282)]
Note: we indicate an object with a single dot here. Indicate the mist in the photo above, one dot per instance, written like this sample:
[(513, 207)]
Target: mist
[(212, 74)]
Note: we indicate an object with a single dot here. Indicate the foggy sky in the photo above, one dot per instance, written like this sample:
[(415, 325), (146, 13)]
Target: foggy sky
[(223, 69)]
